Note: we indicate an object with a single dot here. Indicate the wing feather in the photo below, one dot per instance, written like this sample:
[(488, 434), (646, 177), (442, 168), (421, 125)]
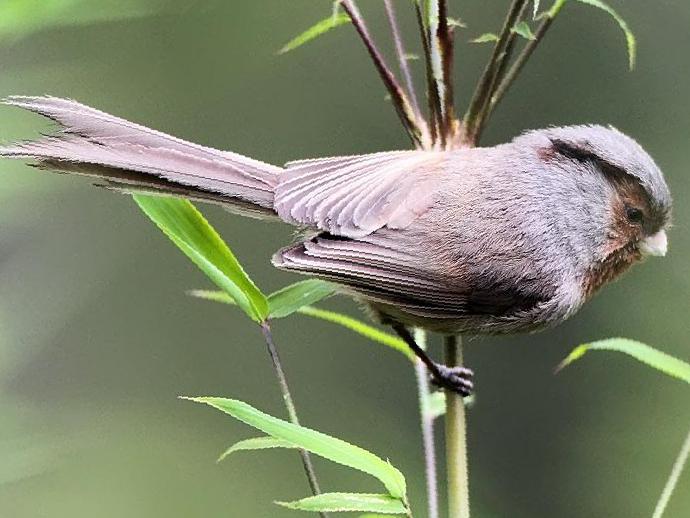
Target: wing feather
[(355, 196)]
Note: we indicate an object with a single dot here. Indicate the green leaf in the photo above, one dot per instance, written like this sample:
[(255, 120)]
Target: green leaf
[(189, 230), (660, 361), (524, 30), (350, 323), (485, 38), (629, 36), (316, 30), (286, 301), (19, 18), (257, 443), (456, 23), (361, 328), (318, 443), (344, 502)]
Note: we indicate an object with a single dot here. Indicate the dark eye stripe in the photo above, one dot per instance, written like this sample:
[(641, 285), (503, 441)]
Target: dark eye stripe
[(581, 154)]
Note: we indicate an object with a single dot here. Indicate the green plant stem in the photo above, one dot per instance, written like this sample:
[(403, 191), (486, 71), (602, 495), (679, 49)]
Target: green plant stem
[(672, 481), (456, 439), (290, 406), (523, 57), (427, 425)]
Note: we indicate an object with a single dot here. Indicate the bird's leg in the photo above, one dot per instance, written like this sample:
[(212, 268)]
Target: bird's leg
[(457, 379)]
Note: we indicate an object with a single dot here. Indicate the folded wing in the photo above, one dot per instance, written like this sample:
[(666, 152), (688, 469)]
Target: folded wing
[(357, 195)]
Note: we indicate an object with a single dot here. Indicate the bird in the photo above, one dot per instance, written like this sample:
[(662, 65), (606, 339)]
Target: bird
[(506, 239)]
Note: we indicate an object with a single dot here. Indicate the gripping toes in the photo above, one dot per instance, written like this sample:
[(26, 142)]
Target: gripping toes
[(457, 379)]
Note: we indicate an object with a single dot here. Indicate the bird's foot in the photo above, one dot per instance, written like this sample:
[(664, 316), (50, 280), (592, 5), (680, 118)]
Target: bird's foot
[(457, 379)]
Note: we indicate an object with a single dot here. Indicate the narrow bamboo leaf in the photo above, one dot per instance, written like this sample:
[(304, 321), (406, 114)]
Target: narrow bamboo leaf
[(257, 443), (318, 443), (348, 502), (361, 328), (524, 30), (660, 361), (485, 38), (316, 30), (456, 23), (19, 18), (629, 36), (286, 301), (189, 230), (350, 323)]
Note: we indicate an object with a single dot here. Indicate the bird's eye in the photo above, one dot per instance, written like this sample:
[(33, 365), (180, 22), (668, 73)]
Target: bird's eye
[(634, 214)]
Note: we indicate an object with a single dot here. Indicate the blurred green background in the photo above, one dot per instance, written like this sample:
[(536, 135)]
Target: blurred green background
[(97, 337)]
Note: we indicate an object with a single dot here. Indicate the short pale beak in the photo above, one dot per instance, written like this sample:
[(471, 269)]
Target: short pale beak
[(656, 244)]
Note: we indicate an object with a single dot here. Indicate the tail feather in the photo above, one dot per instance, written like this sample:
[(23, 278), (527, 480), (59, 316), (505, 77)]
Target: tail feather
[(131, 157)]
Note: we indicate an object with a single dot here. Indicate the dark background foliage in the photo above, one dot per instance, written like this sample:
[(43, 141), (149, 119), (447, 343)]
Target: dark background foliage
[(97, 337)]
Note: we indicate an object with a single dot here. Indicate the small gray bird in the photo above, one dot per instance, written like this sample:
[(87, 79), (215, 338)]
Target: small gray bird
[(504, 239)]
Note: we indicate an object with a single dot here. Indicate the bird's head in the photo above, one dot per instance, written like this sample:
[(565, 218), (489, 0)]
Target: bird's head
[(636, 200)]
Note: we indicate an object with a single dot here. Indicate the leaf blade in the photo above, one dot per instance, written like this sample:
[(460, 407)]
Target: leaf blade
[(360, 328), (331, 448), (523, 29), (319, 28), (345, 321), (256, 443), (656, 359), (630, 40), (290, 299), (485, 38), (190, 231), (348, 502)]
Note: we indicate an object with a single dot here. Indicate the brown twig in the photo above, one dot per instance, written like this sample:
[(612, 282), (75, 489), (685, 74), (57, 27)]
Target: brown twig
[(400, 101), (522, 58), (482, 93), (290, 405), (446, 42), (502, 65), (432, 91), (402, 57), (440, 41)]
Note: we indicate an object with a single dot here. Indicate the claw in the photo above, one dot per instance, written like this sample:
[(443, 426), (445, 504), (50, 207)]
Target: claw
[(457, 379)]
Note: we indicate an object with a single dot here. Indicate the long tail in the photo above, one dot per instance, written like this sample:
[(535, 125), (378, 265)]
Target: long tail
[(130, 157)]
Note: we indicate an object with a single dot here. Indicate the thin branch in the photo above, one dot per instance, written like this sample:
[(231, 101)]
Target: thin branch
[(290, 405), (456, 439), (502, 65), (678, 466), (427, 424), (400, 101), (402, 57), (526, 53), (435, 121), (444, 37), (441, 54), (482, 92)]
